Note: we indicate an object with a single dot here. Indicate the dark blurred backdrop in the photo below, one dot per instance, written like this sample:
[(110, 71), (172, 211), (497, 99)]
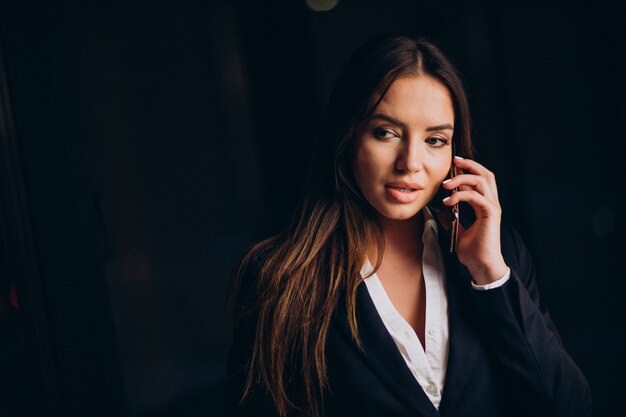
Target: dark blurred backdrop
[(145, 144)]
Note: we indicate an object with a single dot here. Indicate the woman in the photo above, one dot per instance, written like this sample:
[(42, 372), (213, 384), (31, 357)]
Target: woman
[(360, 308)]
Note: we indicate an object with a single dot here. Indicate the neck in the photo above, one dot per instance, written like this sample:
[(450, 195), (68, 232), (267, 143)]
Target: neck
[(402, 237)]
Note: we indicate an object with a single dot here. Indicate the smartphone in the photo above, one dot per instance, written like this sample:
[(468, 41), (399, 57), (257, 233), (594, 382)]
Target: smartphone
[(450, 213), (453, 212)]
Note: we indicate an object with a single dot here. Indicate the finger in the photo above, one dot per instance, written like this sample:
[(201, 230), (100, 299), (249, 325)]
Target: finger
[(468, 182), (470, 165), (481, 205), (478, 169)]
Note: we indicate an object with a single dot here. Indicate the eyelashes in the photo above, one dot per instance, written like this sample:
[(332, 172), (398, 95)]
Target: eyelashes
[(386, 134), (382, 133), (437, 141)]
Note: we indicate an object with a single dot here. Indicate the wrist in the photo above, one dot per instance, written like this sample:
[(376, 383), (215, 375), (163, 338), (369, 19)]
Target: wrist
[(486, 274)]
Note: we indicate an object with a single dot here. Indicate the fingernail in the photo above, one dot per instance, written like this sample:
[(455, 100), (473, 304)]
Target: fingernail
[(446, 199), (447, 181), (458, 157)]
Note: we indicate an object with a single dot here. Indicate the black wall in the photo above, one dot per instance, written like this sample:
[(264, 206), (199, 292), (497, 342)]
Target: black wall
[(146, 144)]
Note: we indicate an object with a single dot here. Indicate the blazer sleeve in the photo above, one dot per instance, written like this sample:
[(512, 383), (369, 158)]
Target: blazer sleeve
[(244, 333), (524, 341)]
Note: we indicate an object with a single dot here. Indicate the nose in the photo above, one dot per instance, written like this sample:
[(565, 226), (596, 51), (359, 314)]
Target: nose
[(410, 158)]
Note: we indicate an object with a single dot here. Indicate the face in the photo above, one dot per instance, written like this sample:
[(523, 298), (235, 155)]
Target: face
[(403, 152)]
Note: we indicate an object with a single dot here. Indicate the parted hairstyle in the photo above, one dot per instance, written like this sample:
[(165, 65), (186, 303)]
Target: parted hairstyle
[(315, 263)]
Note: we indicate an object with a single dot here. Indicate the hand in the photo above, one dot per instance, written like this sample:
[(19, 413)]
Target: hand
[(478, 248)]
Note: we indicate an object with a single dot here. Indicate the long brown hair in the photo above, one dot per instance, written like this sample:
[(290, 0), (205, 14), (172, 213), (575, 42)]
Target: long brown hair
[(316, 262)]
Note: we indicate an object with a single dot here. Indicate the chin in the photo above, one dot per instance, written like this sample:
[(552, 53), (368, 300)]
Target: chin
[(404, 213)]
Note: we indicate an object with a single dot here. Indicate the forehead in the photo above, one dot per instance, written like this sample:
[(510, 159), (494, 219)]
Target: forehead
[(418, 100)]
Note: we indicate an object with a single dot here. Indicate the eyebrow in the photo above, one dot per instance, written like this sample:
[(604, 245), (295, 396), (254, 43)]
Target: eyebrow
[(446, 126)]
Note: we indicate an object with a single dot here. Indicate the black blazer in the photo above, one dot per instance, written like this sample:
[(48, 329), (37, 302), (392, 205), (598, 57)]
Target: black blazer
[(505, 356)]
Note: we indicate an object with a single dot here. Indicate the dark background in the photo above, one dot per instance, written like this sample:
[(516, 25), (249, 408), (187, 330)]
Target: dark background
[(146, 144)]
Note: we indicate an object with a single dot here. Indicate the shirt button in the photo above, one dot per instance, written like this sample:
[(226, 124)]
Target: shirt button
[(431, 389), (431, 332)]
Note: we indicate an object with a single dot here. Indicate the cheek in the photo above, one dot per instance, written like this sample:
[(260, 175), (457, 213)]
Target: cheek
[(440, 168), (368, 163), (445, 170)]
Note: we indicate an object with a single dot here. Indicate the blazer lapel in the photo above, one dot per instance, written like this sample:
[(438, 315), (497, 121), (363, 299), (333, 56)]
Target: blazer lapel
[(382, 354), (464, 343), (383, 357)]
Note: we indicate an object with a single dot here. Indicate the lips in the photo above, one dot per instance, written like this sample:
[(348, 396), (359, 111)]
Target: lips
[(403, 192), (404, 186), (406, 190)]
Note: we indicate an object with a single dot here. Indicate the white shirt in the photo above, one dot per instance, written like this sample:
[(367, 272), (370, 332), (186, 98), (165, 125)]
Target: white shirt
[(427, 366)]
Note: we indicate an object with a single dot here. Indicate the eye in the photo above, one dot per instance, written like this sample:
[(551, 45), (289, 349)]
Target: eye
[(383, 133), (437, 141)]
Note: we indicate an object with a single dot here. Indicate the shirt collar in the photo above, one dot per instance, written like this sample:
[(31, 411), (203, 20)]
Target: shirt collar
[(430, 224)]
